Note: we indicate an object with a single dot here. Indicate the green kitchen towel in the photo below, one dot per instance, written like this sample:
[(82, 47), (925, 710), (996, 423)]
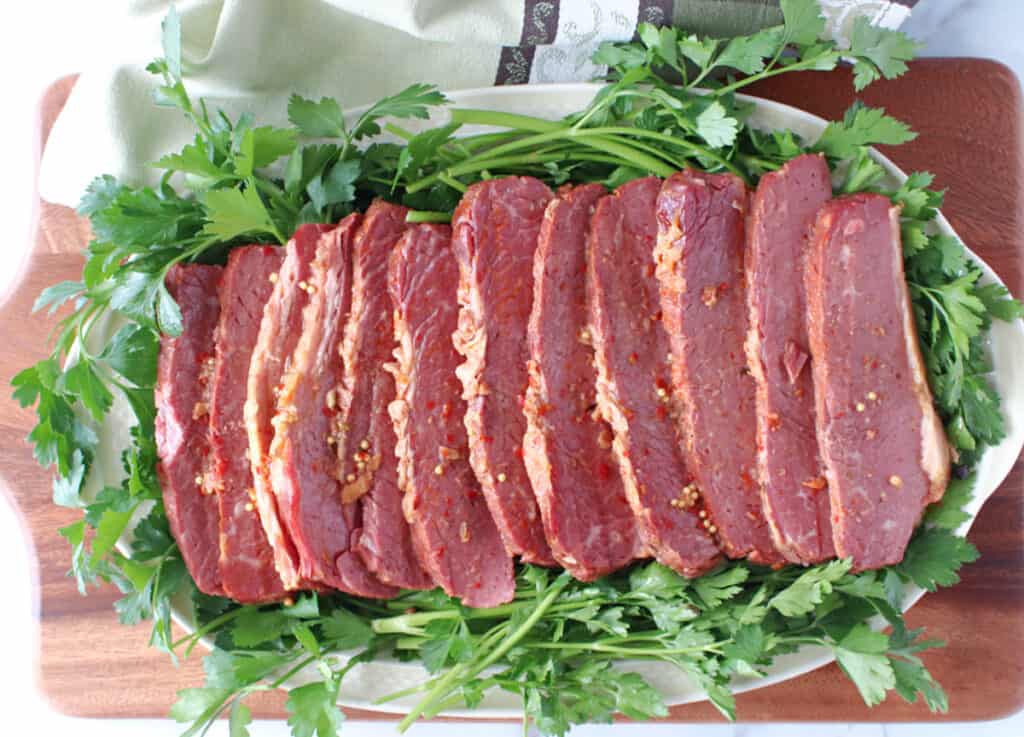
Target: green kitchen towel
[(250, 55)]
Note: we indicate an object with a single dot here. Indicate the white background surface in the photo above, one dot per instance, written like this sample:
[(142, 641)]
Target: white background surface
[(45, 39)]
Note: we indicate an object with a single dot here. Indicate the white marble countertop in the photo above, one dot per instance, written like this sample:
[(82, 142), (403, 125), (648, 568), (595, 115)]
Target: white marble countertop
[(30, 60)]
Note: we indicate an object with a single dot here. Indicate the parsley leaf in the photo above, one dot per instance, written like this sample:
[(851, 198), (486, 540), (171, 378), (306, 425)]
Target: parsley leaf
[(312, 710), (804, 22), (949, 512), (862, 126), (809, 589), (934, 558), (861, 655), (346, 631), (748, 53), (715, 126), (998, 302), (716, 588), (232, 213), (880, 52), (414, 101), (321, 119)]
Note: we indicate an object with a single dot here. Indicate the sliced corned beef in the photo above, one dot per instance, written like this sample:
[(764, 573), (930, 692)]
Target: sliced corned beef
[(700, 269), (246, 559), (494, 237), (182, 395), (303, 463), (455, 536), (280, 328), (587, 519), (793, 494), (884, 448), (634, 378), (366, 449)]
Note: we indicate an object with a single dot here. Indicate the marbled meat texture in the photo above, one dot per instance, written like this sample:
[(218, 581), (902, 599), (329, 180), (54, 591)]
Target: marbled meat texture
[(303, 465), (367, 464), (280, 329), (495, 231), (455, 536), (884, 448), (182, 395), (634, 379), (794, 496), (699, 259), (587, 519), (246, 559)]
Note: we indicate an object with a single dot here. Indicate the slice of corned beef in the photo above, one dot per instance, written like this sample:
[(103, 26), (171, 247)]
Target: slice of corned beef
[(246, 559), (587, 520), (793, 494), (494, 237), (633, 386), (182, 396), (280, 329), (368, 466), (454, 534), (883, 445), (703, 299), (303, 461)]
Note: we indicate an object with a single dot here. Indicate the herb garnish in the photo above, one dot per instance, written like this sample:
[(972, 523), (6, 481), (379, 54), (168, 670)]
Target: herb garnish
[(560, 642)]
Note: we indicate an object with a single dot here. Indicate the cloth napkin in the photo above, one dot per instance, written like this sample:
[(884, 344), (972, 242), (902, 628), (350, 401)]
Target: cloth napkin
[(250, 55)]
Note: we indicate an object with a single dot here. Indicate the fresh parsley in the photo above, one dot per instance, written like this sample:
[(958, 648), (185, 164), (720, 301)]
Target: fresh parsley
[(669, 103)]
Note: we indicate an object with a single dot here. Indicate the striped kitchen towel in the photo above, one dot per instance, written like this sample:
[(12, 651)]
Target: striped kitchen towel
[(250, 55)]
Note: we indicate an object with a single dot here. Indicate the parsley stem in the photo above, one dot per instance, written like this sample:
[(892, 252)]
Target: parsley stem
[(473, 116), (466, 672), (628, 154), (772, 71), (398, 131), (411, 624), (483, 140), (210, 626), (428, 216), (452, 182), (276, 195), (714, 647)]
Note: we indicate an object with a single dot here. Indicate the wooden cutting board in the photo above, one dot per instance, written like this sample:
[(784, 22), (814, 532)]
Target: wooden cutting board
[(968, 113)]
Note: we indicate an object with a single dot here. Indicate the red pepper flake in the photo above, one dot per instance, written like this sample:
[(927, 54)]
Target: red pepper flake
[(816, 484), (748, 480), (430, 404), (519, 452), (661, 412), (604, 471)]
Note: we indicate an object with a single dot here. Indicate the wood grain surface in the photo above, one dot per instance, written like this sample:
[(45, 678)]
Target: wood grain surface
[(968, 114)]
